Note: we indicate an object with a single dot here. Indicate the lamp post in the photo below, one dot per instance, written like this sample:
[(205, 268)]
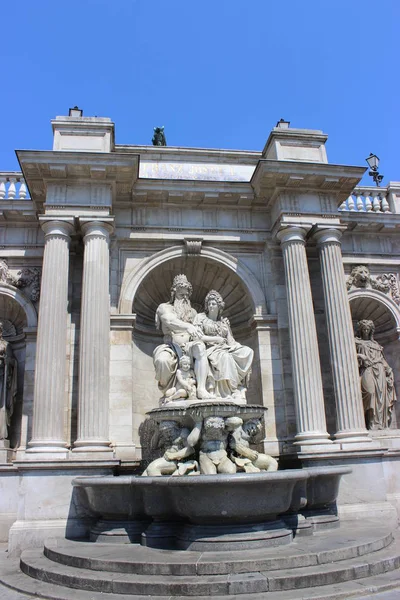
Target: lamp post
[(373, 163)]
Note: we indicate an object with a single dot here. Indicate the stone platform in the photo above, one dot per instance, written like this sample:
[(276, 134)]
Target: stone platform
[(353, 561)]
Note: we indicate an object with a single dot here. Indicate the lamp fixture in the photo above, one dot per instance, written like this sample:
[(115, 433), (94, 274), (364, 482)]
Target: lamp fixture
[(373, 163)]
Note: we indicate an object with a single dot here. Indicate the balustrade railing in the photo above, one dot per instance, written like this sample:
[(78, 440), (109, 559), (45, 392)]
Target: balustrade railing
[(12, 186), (363, 199), (368, 200)]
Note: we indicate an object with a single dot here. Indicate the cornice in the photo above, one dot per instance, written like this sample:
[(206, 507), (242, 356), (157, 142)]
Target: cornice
[(272, 177)]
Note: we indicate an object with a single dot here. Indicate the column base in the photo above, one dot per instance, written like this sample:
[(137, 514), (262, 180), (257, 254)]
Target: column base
[(312, 438), (357, 440), (46, 450), (92, 449), (6, 453), (317, 449)]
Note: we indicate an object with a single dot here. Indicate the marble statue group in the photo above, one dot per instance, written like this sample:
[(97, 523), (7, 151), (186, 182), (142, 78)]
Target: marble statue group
[(200, 366), (199, 358)]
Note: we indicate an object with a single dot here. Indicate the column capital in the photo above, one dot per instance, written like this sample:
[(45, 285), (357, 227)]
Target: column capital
[(329, 235), (292, 233), (61, 227), (102, 227)]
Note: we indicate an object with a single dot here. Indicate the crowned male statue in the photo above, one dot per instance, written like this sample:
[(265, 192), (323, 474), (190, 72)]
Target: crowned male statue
[(175, 319)]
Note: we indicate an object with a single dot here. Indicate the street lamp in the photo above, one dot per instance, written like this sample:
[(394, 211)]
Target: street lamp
[(373, 163)]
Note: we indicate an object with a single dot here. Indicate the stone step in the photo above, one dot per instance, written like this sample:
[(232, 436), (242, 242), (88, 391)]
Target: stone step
[(341, 545), (38, 566), (15, 583)]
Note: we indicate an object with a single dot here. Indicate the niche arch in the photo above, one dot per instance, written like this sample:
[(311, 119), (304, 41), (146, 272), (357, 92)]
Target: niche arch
[(209, 254), (17, 309)]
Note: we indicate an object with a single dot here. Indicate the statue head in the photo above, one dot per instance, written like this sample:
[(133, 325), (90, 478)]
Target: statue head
[(360, 276), (366, 329), (169, 431), (216, 296), (185, 362), (181, 285), (252, 427)]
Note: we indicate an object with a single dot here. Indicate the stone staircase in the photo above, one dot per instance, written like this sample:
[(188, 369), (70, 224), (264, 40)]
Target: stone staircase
[(354, 560)]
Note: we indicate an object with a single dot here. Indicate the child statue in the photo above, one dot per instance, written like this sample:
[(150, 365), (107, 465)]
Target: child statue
[(185, 382)]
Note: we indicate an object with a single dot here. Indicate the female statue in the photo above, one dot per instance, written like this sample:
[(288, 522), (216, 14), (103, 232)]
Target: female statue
[(377, 384), (229, 361), (8, 384)]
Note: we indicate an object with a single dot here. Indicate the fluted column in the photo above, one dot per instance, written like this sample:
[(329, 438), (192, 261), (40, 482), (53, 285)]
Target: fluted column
[(94, 354), (307, 381), (346, 379), (49, 391)]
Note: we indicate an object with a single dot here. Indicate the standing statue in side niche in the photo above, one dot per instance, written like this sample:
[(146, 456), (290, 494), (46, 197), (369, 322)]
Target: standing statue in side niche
[(8, 384), (377, 383), (178, 445), (245, 458), (159, 137)]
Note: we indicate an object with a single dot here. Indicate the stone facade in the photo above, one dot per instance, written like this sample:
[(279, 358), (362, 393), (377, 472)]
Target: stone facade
[(91, 238)]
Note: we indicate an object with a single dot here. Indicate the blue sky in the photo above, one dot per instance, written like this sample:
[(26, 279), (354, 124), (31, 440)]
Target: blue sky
[(216, 73)]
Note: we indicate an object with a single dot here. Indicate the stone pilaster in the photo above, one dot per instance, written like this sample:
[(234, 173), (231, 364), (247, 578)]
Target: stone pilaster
[(94, 354), (49, 389), (346, 379), (307, 381)]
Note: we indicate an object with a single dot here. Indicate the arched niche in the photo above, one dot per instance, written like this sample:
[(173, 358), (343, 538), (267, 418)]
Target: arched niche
[(150, 285), (18, 310), (210, 255), (379, 308), (204, 275)]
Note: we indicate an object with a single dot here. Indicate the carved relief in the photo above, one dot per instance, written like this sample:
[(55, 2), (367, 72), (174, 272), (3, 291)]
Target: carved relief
[(360, 277), (28, 277), (5, 275)]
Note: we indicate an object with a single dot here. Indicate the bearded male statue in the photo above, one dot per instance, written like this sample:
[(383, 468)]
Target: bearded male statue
[(175, 319)]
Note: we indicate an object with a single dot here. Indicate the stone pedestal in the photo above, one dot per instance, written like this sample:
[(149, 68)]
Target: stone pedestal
[(346, 380), (307, 382), (94, 355), (6, 453), (49, 392)]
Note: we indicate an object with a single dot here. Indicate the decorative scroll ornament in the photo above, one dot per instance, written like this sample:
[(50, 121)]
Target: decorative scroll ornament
[(360, 277)]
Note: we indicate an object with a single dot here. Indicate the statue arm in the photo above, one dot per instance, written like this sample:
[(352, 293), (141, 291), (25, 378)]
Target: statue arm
[(244, 450), (189, 442), (230, 339), (166, 316)]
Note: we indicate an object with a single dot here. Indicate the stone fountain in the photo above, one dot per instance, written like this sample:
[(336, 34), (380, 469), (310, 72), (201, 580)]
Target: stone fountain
[(208, 488)]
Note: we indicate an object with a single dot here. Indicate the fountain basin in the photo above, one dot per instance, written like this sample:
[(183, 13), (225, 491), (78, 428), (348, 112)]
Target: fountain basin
[(202, 499), (226, 512)]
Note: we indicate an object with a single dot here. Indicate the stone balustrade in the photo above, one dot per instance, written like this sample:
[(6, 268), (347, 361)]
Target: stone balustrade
[(368, 199), (12, 186)]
